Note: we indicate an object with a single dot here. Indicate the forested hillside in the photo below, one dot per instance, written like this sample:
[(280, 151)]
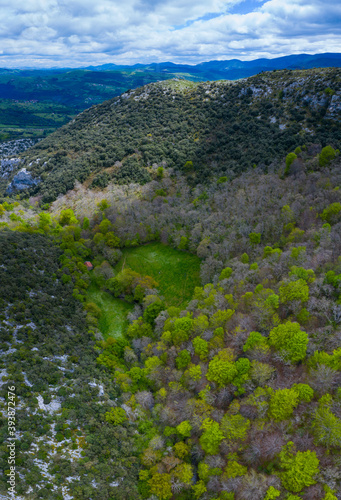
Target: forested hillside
[(171, 324), (232, 395), (202, 130)]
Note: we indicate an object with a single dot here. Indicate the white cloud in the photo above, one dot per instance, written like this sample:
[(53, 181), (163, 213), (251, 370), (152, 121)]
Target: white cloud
[(82, 32)]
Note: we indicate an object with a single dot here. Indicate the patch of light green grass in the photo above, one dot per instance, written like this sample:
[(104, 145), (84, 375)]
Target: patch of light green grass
[(113, 321), (176, 272)]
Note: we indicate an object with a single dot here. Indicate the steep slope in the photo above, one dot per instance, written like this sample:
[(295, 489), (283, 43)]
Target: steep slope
[(60, 395), (213, 128)]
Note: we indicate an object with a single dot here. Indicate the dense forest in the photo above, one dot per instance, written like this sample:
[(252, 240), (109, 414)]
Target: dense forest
[(230, 393), (223, 379)]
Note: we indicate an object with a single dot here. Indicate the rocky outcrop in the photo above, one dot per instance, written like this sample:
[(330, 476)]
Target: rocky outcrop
[(334, 108), (7, 165), (22, 180)]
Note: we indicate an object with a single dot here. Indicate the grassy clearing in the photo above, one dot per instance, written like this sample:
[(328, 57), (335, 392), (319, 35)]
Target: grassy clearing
[(176, 272), (113, 321)]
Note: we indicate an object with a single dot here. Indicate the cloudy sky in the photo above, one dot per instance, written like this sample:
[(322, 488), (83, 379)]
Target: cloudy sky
[(73, 33)]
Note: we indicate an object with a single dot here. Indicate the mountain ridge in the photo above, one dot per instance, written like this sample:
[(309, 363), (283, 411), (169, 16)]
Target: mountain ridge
[(201, 129)]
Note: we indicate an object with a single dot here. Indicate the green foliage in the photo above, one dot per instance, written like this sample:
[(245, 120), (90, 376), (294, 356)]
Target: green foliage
[(104, 226), (195, 372), (184, 429), (326, 426), (116, 416), (272, 493), (235, 427), (183, 359), (282, 404), (332, 278), (268, 251), (333, 361), (326, 156), (291, 157), (181, 330), (243, 368), (139, 329), (298, 469), (183, 245), (234, 469), (255, 238), (220, 318), (305, 392), (199, 489), (255, 340), (211, 437), (331, 213), (160, 173), (222, 369), (160, 485), (294, 290), (245, 258), (200, 347), (297, 252), (152, 311), (260, 372), (307, 275), (67, 217), (225, 273), (290, 340), (86, 223), (222, 180)]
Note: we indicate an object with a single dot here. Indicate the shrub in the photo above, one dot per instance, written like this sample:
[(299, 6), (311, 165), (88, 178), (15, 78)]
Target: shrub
[(222, 369), (200, 347), (255, 238), (326, 426), (291, 157), (211, 437), (183, 359), (235, 427), (225, 273), (282, 404), (160, 485), (255, 340), (305, 392), (116, 416), (234, 469), (294, 290), (244, 258), (184, 429), (331, 213), (299, 469), (290, 340), (326, 156), (272, 493)]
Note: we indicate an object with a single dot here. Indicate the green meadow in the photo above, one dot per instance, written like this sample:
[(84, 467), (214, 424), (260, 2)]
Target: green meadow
[(113, 321), (177, 274)]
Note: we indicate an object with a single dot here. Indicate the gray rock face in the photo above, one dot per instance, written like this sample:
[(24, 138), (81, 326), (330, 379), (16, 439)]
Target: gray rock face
[(7, 165), (22, 180), (334, 108)]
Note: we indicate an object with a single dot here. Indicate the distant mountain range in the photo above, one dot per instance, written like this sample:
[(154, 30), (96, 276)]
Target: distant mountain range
[(234, 69), (35, 102)]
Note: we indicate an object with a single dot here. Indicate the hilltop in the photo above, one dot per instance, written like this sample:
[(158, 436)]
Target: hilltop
[(204, 130)]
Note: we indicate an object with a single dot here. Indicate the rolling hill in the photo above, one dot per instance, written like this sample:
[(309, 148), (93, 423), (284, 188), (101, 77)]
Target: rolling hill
[(203, 129)]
